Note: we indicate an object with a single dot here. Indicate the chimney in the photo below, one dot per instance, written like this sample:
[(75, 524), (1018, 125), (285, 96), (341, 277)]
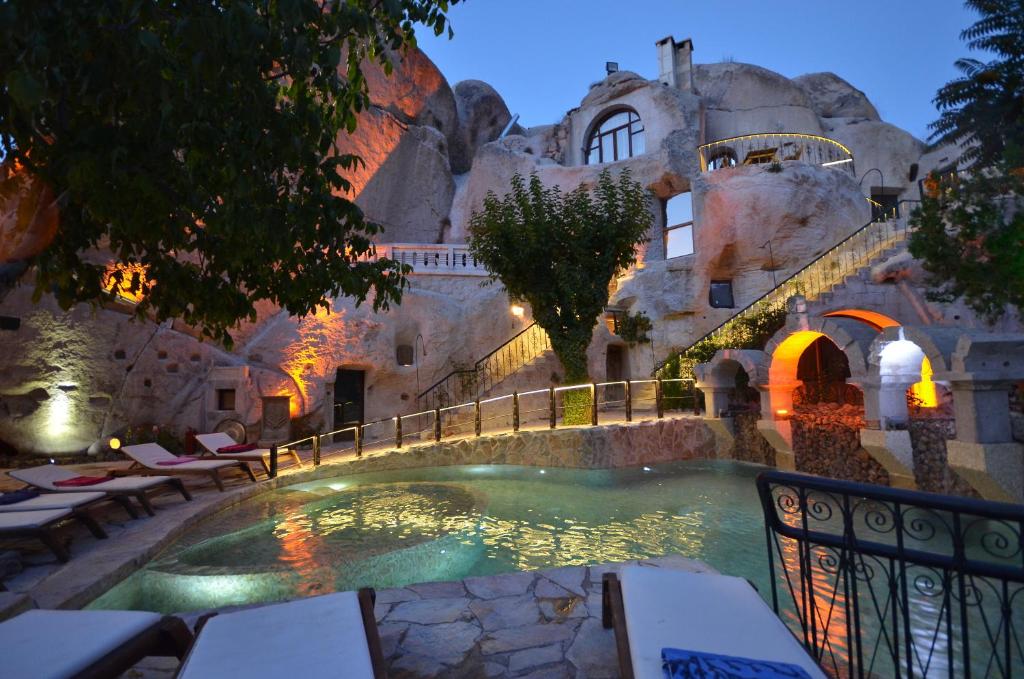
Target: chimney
[(675, 63)]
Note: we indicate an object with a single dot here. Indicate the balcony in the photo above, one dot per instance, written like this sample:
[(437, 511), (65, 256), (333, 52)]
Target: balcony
[(774, 147), (440, 259)]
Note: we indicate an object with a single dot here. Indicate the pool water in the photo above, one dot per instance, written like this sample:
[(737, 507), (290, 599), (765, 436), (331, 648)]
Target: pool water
[(446, 523)]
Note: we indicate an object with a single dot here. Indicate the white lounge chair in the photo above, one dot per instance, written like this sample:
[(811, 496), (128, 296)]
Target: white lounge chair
[(148, 456), (40, 524), (212, 442), (334, 635), (58, 501), (655, 608), (59, 644), (44, 477)]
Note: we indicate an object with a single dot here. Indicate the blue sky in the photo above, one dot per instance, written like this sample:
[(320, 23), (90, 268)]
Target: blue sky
[(542, 55)]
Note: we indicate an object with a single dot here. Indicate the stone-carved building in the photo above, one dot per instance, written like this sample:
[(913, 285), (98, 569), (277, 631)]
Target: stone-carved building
[(70, 380)]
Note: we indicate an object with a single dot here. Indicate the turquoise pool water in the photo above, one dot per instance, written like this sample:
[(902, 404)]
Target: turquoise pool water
[(446, 523)]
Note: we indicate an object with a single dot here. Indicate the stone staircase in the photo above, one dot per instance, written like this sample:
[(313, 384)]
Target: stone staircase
[(851, 258), (528, 350), (535, 374)]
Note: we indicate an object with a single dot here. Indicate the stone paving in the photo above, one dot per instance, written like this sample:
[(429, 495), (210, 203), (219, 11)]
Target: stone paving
[(528, 625)]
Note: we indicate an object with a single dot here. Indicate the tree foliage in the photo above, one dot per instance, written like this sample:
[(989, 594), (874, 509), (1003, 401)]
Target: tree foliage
[(198, 140), (970, 236), (558, 252), (969, 230), (983, 110)]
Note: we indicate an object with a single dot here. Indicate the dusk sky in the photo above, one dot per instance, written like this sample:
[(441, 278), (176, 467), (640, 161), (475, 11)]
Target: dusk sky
[(542, 55)]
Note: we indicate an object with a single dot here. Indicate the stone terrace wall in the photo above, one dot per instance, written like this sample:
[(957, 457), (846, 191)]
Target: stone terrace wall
[(658, 441), (826, 441), (928, 437), (750, 445)]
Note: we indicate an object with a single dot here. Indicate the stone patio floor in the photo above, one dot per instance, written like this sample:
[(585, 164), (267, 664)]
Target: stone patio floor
[(529, 625)]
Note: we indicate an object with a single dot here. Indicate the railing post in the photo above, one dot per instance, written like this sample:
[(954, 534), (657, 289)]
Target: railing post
[(593, 404), (359, 440), (696, 402), (398, 431), (273, 461), (629, 402), (658, 400), (437, 425), (551, 406), (477, 424), (316, 450), (515, 411)]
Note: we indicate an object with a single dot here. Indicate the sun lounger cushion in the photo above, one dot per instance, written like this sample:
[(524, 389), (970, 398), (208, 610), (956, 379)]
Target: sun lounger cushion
[(79, 481), (312, 638), (181, 460), (52, 644), (53, 501), (30, 520), (47, 475), (238, 448), (717, 614), (688, 664), (151, 455), (18, 496)]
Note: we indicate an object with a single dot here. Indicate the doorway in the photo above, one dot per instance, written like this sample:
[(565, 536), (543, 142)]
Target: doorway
[(615, 371), (348, 400)]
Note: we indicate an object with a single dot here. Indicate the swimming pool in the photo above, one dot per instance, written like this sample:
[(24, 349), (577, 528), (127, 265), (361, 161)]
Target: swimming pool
[(446, 523)]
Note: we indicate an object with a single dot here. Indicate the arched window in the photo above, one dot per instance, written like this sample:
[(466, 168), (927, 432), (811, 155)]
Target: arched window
[(723, 158), (619, 136)]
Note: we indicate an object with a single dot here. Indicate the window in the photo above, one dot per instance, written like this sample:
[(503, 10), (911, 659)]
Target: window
[(405, 355), (619, 136), (225, 399), (679, 226), (723, 158), (720, 295)]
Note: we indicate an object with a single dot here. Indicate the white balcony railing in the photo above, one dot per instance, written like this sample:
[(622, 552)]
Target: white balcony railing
[(437, 259)]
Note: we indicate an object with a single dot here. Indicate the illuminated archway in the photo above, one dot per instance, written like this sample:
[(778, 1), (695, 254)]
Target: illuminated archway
[(782, 371), (874, 319)]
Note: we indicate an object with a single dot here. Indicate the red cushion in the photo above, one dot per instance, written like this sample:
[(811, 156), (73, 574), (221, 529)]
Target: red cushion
[(81, 481), (179, 460), (238, 448)]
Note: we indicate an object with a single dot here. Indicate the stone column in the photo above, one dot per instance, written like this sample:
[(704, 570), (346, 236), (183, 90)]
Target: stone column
[(984, 452)]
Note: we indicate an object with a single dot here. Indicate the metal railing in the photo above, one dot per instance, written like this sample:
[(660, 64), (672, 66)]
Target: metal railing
[(425, 258), (460, 386), (882, 582), (773, 147), (603, 403), (821, 275)]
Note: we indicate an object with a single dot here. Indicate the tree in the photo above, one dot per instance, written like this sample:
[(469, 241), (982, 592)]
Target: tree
[(969, 235), (969, 230), (558, 252), (196, 142), (984, 109)]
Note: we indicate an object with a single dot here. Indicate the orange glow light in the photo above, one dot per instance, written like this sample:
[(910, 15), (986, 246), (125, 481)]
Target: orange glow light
[(133, 281), (872, 318), (924, 391)]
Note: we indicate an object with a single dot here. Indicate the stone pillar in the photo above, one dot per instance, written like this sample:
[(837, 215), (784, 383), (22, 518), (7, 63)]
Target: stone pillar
[(779, 434), (276, 423), (716, 399), (984, 452), (893, 450)]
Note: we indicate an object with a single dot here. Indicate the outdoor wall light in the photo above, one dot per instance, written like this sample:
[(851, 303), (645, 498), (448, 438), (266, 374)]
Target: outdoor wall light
[(782, 414), (518, 310), (115, 443)]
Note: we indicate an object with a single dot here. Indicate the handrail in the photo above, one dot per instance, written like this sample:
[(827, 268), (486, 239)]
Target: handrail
[(895, 561), (664, 391), (481, 378), (787, 281), (830, 152)]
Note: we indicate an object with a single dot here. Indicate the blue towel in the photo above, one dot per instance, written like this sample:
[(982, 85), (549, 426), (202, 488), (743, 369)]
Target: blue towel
[(680, 664), (18, 496)]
